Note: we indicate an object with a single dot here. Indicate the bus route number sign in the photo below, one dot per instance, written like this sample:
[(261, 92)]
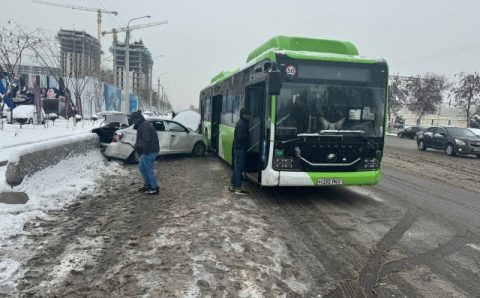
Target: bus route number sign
[(291, 70)]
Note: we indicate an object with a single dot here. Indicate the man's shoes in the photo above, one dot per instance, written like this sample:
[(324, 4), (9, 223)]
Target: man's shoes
[(153, 191), (144, 188), (241, 192), (232, 188)]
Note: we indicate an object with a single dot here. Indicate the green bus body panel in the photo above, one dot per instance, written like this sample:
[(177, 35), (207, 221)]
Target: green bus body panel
[(279, 43), (349, 178), (226, 137), (207, 125)]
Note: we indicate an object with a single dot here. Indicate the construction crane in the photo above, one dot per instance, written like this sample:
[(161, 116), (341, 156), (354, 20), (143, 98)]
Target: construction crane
[(98, 10), (114, 31)]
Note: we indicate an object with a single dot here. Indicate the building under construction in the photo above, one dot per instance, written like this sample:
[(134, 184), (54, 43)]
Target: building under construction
[(80, 53), (140, 62)]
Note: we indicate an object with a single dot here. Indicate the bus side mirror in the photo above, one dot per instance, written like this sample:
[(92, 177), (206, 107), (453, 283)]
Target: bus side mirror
[(274, 82)]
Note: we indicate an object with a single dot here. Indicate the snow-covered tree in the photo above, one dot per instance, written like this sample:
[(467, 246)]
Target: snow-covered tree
[(425, 94), (397, 96), (467, 92), (475, 121)]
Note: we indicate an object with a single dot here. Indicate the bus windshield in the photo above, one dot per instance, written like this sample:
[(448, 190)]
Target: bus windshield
[(304, 109)]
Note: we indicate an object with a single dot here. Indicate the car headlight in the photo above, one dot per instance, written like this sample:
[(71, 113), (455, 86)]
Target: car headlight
[(460, 142)]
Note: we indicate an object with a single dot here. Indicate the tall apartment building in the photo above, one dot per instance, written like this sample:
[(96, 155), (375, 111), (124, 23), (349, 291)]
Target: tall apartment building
[(140, 62), (80, 53)]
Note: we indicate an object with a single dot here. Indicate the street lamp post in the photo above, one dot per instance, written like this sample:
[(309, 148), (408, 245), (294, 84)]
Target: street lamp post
[(160, 95), (127, 64), (150, 83)]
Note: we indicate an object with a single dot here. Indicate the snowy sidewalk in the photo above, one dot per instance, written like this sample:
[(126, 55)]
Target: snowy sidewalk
[(14, 137)]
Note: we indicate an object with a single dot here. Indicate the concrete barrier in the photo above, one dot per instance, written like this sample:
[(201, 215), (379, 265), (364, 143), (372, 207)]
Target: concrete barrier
[(36, 157)]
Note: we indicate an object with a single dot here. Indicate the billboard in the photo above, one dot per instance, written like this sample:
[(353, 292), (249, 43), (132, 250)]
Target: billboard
[(133, 103), (113, 97)]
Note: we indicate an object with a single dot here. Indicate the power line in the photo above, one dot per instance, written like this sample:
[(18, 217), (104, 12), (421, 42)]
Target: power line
[(466, 47)]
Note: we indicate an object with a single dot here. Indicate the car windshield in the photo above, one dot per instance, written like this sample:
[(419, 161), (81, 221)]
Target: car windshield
[(461, 132), (319, 108)]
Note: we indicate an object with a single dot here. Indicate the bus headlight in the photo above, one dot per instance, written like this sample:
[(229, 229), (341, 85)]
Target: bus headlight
[(369, 163), (284, 163)]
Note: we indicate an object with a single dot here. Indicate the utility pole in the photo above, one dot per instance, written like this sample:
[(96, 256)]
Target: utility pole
[(158, 94), (127, 30)]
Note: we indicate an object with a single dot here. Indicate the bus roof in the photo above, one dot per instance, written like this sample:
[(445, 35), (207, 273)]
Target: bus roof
[(290, 43), (300, 48)]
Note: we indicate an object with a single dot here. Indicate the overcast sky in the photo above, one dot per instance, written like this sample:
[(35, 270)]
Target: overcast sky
[(205, 37)]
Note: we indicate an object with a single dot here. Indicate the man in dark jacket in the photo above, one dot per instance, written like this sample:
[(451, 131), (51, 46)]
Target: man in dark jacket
[(147, 146), (241, 143)]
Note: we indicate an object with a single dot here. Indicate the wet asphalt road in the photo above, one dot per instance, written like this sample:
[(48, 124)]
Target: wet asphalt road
[(416, 234)]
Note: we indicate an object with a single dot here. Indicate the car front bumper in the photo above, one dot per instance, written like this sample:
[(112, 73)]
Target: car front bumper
[(464, 150)]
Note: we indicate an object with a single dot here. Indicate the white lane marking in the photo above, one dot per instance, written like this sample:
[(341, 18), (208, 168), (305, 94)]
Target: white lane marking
[(474, 246), (366, 193)]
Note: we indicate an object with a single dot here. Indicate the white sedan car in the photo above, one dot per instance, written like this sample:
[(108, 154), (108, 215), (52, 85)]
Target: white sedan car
[(24, 114), (174, 138)]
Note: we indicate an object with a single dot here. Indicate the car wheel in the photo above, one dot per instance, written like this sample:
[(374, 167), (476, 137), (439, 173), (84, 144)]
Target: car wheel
[(30, 121), (421, 146), (449, 150), (134, 158), (198, 149)]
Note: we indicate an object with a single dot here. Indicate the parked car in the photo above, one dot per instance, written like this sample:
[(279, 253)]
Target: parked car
[(410, 132), (475, 131), (111, 122), (24, 114), (174, 138), (453, 140)]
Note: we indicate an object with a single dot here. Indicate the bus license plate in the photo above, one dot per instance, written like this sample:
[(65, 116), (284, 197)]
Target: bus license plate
[(330, 181)]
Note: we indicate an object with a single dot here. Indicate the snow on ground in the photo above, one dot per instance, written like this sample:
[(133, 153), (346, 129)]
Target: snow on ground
[(52, 188)]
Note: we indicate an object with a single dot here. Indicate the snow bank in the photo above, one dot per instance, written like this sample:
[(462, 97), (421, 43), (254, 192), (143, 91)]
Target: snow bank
[(32, 158)]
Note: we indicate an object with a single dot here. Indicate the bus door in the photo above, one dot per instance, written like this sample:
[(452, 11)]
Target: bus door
[(216, 117), (255, 102)]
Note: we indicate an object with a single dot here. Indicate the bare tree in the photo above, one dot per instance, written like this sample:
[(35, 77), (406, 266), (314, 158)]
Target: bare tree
[(425, 94), (48, 54), (397, 96), (467, 92), (15, 41)]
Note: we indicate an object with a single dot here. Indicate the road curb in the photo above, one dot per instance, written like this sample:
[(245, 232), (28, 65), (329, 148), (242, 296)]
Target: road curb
[(27, 161)]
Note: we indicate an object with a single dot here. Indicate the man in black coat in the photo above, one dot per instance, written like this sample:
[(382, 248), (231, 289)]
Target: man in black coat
[(147, 146), (241, 143)]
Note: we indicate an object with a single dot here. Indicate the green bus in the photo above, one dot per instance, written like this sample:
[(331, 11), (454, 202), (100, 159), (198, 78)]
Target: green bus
[(318, 113)]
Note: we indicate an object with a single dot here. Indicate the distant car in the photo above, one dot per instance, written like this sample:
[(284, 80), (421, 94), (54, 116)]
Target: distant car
[(475, 131), (174, 138), (409, 132), (148, 114), (25, 114), (111, 122), (452, 140)]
